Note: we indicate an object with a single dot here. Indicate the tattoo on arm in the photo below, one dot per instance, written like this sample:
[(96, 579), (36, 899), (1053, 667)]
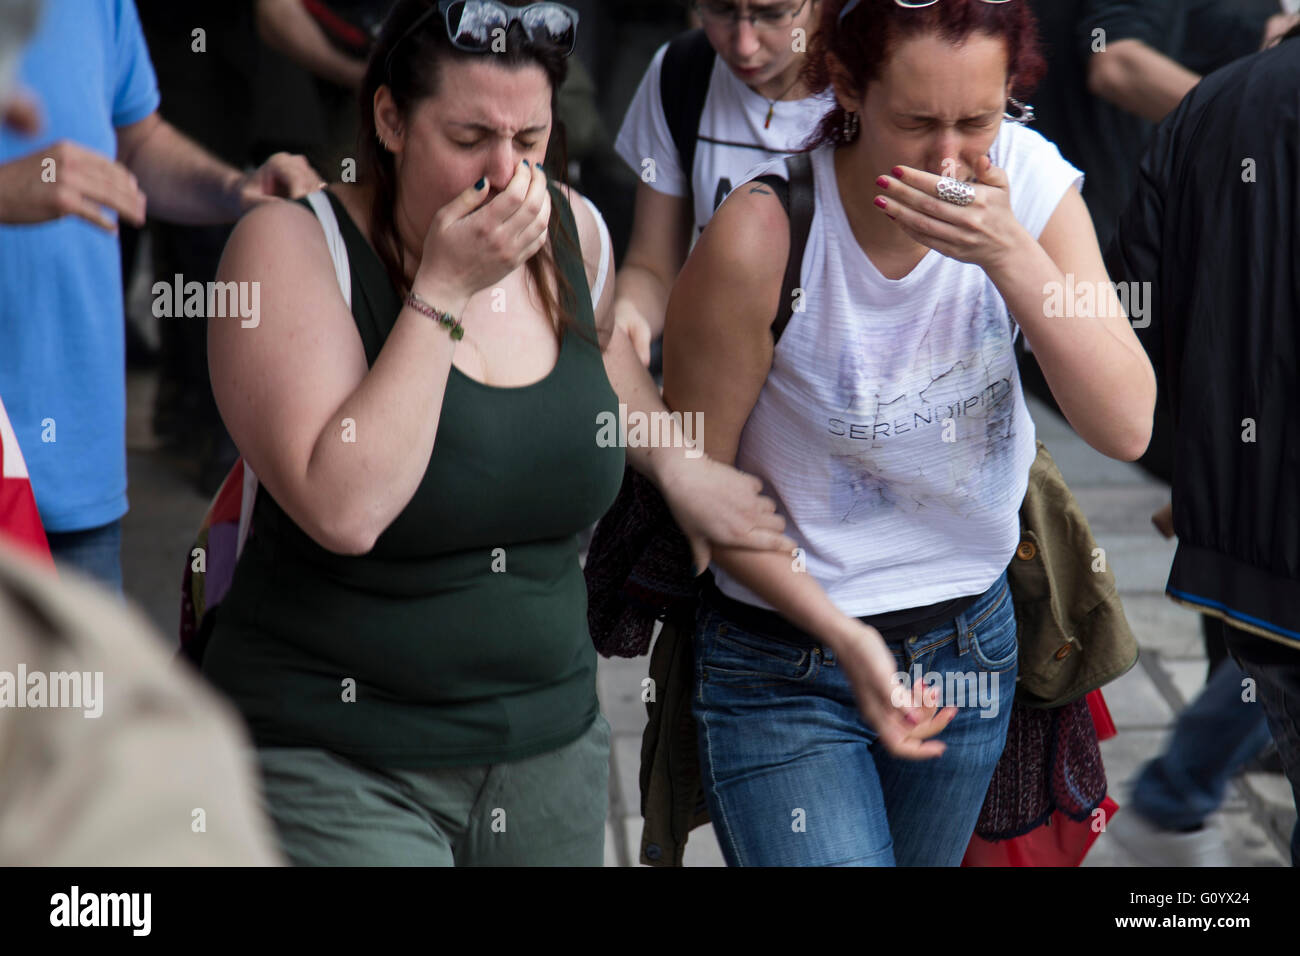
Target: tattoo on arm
[(761, 190)]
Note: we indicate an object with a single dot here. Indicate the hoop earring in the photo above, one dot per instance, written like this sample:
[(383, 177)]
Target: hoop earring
[(851, 126), (1025, 112)]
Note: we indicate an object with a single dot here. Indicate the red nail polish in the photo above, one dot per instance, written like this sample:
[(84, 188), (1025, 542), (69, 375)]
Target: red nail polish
[(898, 172), (881, 202), (882, 182)]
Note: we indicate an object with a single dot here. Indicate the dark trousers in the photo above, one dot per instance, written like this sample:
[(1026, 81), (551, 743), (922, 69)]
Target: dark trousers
[(1276, 671)]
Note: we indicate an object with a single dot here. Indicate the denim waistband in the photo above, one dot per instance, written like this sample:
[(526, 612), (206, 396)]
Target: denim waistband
[(894, 626)]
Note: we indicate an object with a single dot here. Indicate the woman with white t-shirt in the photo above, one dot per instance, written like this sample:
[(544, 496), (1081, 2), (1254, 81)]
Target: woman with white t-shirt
[(889, 424), (756, 106)]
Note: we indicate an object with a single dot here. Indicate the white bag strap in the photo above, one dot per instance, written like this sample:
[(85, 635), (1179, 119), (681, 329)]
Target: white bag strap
[(598, 287), (329, 224), (320, 205)]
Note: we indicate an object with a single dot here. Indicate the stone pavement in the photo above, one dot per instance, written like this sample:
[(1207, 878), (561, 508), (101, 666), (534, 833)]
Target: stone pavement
[(1118, 499)]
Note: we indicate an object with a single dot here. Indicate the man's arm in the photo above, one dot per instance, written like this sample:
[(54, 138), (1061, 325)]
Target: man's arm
[(186, 184), (286, 26), (1125, 40), (1135, 76), (1139, 79)]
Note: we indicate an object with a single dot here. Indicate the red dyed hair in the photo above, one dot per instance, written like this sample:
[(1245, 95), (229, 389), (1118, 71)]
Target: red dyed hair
[(863, 43)]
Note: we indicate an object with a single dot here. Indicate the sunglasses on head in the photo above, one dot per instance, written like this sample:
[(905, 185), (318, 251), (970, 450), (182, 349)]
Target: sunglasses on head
[(906, 4), (472, 25)]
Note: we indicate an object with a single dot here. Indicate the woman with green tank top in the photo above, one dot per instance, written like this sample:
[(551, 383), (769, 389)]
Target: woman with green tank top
[(406, 631)]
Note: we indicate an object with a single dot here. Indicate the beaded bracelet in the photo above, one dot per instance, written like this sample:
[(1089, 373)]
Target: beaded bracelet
[(444, 319)]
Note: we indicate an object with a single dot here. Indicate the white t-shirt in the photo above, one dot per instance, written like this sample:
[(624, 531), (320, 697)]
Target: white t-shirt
[(848, 433), (732, 140)]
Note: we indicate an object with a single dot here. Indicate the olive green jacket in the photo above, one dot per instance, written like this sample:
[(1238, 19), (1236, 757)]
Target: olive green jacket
[(672, 798)]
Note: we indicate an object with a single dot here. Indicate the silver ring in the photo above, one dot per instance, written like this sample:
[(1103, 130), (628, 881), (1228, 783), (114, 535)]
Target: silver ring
[(957, 193)]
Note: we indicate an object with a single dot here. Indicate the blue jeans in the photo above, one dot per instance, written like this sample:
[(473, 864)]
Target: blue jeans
[(1215, 735), (96, 552), (794, 776)]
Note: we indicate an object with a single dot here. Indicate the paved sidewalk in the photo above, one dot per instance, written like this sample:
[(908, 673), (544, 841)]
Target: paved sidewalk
[(1117, 498)]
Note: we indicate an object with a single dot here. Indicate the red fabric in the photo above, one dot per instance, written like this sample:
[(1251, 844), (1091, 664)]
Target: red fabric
[(20, 523), (336, 26), (1060, 841), (1101, 716)]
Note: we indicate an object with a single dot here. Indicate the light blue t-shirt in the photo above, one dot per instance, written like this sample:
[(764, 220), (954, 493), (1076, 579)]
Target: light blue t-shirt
[(62, 338)]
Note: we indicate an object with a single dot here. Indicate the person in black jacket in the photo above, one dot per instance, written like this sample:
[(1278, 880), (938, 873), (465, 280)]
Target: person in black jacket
[(1115, 69), (1213, 226)]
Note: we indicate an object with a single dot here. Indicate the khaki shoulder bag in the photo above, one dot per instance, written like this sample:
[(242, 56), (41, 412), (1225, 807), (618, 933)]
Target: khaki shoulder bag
[(1070, 623)]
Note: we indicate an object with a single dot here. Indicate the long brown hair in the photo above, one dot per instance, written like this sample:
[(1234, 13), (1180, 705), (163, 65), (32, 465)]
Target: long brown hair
[(864, 41), (410, 67)]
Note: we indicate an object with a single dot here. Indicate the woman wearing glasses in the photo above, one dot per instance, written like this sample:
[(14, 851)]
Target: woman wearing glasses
[(889, 423), (406, 631), (756, 106)]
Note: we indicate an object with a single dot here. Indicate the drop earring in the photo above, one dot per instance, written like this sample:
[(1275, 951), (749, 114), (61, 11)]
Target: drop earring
[(1024, 114), (851, 126)]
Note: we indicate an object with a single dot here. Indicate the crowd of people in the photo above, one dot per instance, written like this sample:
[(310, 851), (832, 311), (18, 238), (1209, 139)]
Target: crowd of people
[(832, 241)]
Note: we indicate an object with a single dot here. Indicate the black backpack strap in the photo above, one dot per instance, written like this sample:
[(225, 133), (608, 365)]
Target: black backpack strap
[(683, 86), (797, 197)]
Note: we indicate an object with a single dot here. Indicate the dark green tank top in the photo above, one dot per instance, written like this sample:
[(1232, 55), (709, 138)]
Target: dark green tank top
[(461, 638)]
